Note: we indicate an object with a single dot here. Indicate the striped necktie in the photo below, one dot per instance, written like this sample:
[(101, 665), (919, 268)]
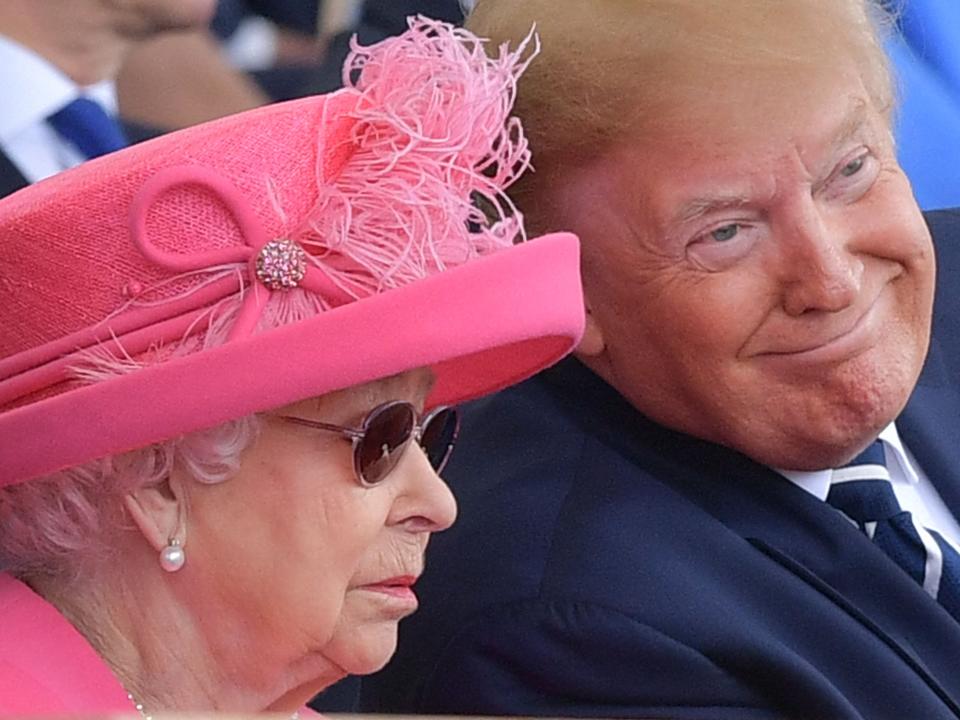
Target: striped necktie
[(862, 491), (89, 127)]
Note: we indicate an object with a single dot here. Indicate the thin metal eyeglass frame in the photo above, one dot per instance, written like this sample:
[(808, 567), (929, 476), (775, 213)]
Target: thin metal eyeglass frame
[(356, 435)]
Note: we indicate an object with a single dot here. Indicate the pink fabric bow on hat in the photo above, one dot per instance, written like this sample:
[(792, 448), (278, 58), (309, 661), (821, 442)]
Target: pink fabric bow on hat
[(280, 254), (273, 264)]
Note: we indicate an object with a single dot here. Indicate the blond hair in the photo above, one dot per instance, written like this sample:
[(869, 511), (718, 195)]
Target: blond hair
[(610, 68)]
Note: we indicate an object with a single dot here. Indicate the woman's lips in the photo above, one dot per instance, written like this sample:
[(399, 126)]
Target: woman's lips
[(400, 587)]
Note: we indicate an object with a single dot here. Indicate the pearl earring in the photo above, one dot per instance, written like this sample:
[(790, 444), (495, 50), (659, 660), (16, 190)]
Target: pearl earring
[(172, 557)]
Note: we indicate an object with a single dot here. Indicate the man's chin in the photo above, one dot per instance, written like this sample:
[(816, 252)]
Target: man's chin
[(852, 411), (809, 447)]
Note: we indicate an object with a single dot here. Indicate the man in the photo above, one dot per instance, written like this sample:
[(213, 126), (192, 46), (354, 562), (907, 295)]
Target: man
[(55, 52), (645, 531)]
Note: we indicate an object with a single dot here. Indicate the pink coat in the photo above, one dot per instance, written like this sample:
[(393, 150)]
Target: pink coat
[(46, 666)]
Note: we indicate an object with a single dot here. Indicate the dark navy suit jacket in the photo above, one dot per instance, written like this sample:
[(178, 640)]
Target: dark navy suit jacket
[(603, 565), (11, 179)]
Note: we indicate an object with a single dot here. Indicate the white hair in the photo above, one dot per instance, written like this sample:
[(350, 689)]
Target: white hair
[(57, 523)]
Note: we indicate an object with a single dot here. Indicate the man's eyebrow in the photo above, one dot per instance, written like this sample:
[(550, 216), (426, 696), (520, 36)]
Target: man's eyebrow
[(854, 119), (700, 206)]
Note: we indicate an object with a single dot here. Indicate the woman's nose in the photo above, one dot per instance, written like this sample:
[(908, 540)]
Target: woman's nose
[(425, 503)]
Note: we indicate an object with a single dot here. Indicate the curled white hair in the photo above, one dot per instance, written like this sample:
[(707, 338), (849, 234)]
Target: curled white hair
[(58, 523)]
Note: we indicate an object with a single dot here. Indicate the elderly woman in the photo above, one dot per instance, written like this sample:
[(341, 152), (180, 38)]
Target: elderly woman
[(226, 367)]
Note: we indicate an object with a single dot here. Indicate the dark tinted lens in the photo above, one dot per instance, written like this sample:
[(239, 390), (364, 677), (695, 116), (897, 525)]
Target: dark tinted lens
[(386, 432), (438, 435)]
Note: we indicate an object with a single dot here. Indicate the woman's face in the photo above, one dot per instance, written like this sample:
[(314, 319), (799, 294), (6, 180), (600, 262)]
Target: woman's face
[(305, 569)]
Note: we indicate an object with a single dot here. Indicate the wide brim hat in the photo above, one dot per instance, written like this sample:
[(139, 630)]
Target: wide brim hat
[(330, 241)]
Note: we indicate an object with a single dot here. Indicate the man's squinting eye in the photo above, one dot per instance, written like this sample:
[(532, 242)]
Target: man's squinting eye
[(854, 166), (713, 250), (725, 232), (853, 177)]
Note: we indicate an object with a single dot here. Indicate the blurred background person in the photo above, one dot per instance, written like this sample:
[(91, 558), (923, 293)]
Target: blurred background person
[(58, 61), (294, 48), (278, 42), (178, 79)]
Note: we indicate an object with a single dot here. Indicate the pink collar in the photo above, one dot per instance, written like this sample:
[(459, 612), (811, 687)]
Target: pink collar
[(46, 666)]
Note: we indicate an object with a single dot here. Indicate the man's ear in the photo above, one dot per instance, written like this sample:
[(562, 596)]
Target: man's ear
[(592, 344), (159, 511)]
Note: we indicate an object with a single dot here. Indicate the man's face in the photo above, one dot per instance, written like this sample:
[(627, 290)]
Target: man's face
[(759, 273)]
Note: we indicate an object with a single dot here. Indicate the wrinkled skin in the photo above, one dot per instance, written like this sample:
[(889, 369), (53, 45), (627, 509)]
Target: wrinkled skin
[(757, 271)]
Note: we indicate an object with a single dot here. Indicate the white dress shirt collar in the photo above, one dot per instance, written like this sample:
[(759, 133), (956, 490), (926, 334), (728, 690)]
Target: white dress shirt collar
[(914, 490), (817, 482), (39, 89)]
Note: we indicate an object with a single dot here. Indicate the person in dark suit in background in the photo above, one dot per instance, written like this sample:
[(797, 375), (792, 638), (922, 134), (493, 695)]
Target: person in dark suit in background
[(741, 498), (57, 52), (370, 21)]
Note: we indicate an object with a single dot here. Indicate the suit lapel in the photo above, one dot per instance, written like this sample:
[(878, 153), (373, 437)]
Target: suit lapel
[(821, 548), (933, 663), (797, 531)]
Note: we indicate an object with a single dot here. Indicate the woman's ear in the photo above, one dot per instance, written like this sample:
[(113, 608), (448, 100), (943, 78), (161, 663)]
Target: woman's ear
[(592, 344), (159, 511)]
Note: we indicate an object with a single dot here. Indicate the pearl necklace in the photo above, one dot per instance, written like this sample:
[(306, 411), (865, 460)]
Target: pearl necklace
[(139, 706), (147, 716)]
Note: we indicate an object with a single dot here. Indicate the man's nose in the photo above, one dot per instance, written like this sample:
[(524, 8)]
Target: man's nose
[(820, 271)]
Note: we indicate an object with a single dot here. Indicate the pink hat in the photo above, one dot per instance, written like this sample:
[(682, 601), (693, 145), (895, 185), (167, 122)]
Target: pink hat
[(281, 254)]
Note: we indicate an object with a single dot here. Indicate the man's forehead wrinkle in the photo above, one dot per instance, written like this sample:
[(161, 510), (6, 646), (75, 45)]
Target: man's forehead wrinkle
[(852, 122)]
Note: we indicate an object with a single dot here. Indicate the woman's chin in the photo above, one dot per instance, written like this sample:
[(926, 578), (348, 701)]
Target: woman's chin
[(371, 651)]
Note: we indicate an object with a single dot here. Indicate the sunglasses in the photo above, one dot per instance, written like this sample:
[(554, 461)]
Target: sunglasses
[(379, 442)]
